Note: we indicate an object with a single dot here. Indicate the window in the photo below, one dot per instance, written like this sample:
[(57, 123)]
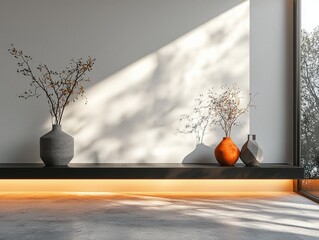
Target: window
[(307, 94)]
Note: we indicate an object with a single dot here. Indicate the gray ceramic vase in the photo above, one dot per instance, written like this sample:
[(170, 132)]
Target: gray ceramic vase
[(251, 154), (56, 147)]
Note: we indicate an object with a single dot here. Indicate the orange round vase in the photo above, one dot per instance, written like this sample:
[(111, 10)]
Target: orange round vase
[(226, 152)]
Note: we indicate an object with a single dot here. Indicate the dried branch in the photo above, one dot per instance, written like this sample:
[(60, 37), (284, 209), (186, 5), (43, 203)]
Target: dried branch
[(59, 87), (227, 107), (199, 120)]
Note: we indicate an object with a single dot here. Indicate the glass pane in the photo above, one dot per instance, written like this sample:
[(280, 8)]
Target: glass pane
[(310, 186), (309, 95), (309, 87)]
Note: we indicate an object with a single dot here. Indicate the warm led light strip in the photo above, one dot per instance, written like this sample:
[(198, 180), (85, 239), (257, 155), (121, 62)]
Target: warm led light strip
[(146, 186)]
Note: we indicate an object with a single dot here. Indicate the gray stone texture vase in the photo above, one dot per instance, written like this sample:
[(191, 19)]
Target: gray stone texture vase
[(251, 154), (56, 147)]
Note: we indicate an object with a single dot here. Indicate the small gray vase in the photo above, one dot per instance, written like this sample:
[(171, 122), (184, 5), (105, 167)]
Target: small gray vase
[(56, 147), (251, 154)]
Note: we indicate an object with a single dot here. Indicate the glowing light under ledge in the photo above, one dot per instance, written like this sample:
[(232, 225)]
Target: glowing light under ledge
[(153, 187)]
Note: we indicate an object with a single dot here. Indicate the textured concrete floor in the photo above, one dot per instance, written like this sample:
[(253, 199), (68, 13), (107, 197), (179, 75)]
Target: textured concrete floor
[(288, 216)]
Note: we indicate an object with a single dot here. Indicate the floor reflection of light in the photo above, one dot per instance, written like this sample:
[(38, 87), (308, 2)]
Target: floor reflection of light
[(132, 116), (261, 214)]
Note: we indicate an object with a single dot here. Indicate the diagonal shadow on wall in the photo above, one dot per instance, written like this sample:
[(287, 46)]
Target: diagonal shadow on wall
[(132, 115), (148, 73)]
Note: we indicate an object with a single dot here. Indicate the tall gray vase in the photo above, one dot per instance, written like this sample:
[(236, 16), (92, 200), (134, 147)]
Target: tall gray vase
[(56, 147), (251, 154)]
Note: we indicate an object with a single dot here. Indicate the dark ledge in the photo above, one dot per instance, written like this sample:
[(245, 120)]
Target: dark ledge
[(149, 171)]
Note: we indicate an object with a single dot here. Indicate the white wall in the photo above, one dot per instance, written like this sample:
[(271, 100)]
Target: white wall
[(271, 75), (153, 58)]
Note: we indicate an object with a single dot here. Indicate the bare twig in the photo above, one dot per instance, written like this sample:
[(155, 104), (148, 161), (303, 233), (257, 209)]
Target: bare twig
[(58, 87)]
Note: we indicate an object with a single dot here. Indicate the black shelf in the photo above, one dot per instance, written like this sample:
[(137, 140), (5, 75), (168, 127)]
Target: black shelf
[(149, 171)]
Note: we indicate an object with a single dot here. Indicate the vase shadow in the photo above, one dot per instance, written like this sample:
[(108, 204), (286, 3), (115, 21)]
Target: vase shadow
[(202, 154)]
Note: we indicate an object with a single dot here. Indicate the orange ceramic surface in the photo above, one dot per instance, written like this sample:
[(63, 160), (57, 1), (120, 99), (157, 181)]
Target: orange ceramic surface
[(226, 152)]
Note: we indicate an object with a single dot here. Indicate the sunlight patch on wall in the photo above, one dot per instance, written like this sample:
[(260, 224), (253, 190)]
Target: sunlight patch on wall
[(132, 116)]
